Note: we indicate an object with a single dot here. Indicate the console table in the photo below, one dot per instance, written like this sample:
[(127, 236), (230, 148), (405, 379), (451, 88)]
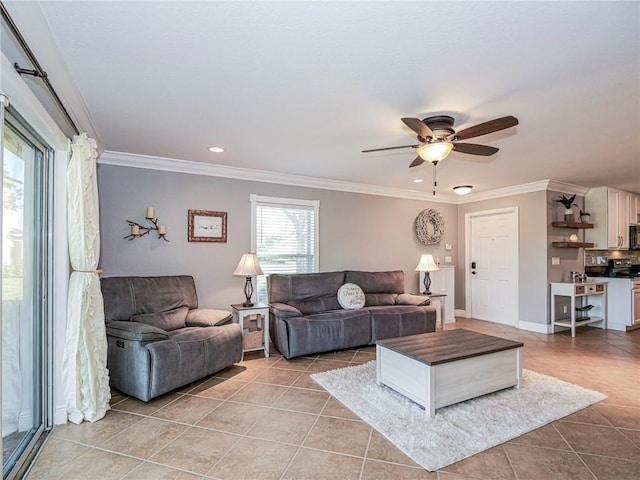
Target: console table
[(579, 293)]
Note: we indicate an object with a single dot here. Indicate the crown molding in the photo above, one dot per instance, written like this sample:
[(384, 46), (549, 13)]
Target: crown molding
[(541, 185), (198, 168), (567, 188), (131, 160)]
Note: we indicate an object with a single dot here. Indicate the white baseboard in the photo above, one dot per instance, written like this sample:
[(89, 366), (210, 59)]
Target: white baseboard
[(60, 415), (460, 313), (534, 327)]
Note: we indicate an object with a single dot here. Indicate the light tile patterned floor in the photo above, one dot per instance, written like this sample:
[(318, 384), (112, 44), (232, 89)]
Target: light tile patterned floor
[(266, 419)]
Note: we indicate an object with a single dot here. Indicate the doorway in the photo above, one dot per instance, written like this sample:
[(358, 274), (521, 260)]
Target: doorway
[(24, 293), (491, 250)]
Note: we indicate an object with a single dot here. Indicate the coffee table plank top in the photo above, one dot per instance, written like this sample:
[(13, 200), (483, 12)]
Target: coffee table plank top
[(448, 346)]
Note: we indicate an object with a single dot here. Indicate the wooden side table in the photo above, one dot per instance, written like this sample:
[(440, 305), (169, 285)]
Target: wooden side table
[(249, 333)]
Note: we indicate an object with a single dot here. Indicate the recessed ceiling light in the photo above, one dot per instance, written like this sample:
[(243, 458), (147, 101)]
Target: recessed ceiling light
[(216, 149), (418, 180)]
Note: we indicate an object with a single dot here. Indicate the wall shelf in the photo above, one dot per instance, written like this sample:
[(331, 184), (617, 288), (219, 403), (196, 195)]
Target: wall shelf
[(578, 225), (572, 244)]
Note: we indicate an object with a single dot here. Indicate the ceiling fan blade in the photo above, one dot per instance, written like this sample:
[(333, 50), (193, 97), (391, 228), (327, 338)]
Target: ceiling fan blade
[(389, 148), (418, 161), (487, 127), (475, 149), (419, 127)]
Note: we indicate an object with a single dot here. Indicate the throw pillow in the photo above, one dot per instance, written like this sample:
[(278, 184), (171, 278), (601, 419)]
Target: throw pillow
[(351, 296), (207, 317), (316, 305), (171, 320)]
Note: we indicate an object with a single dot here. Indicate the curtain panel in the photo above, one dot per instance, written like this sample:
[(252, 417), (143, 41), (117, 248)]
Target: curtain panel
[(84, 365)]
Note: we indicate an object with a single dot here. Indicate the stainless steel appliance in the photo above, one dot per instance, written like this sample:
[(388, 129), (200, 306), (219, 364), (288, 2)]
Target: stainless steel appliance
[(635, 299), (622, 268), (634, 237)]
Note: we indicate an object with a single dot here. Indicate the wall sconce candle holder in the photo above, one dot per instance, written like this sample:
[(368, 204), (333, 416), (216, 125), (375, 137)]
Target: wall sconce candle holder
[(138, 230)]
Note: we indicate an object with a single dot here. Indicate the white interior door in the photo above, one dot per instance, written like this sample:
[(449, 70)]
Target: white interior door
[(492, 265)]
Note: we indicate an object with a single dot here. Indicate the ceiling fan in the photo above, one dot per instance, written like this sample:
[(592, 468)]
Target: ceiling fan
[(438, 138)]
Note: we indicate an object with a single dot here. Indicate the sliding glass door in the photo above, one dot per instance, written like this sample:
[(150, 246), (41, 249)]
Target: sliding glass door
[(23, 293)]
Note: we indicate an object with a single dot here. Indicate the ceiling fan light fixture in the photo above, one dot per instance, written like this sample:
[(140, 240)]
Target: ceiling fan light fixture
[(462, 189), (434, 152)]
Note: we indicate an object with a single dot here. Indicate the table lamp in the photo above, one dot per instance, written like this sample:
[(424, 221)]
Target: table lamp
[(426, 265), (248, 267)]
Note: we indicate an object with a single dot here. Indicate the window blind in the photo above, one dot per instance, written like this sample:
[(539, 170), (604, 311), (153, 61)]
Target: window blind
[(285, 239)]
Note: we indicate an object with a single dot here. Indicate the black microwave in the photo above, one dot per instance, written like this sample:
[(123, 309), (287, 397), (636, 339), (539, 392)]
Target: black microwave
[(634, 237)]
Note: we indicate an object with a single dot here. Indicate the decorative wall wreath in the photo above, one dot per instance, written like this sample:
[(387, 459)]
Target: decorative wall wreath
[(430, 226)]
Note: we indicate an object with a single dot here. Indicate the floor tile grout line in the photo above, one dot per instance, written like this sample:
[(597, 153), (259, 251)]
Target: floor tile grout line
[(286, 469), (513, 468), (226, 453), (573, 450), (366, 451)]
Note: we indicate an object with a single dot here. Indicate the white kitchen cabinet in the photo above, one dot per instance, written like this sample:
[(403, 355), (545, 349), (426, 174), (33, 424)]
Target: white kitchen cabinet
[(634, 208), (609, 209), (443, 281), (621, 314)]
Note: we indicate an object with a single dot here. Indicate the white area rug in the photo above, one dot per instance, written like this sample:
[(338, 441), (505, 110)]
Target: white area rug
[(460, 430)]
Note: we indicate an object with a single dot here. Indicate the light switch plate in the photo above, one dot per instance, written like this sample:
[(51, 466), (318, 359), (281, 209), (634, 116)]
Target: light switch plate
[(448, 246), (447, 259), (555, 260)]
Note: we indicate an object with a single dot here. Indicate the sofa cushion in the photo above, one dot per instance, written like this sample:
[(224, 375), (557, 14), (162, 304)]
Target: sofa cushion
[(327, 331), (351, 296), (282, 310), (303, 286), (137, 332), (316, 305), (171, 320), (410, 299), (376, 299), (399, 321), (207, 317), (125, 297), (377, 282)]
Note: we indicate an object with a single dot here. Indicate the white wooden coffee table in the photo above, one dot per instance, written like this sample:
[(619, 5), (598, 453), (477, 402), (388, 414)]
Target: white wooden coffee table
[(442, 368)]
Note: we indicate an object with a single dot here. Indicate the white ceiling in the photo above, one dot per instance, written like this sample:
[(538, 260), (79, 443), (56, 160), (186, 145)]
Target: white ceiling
[(302, 87)]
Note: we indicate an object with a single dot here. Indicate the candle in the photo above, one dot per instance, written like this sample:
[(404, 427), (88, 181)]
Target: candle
[(162, 229), (135, 230), (150, 212)]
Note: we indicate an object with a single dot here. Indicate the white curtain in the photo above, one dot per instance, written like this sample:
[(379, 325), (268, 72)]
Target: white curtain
[(84, 365)]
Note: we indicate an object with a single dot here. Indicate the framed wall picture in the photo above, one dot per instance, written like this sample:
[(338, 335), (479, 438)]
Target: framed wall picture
[(206, 226)]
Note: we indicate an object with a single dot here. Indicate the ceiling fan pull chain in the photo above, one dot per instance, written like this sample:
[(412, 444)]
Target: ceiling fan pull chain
[(435, 183)]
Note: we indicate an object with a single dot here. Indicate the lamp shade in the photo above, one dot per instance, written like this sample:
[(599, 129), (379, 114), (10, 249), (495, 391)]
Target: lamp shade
[(248, 266), (434, 152), (427, 264)]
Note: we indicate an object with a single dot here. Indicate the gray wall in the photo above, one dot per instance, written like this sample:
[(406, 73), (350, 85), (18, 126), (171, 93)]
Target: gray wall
[(357, 231), (571, 259), (532, 247)]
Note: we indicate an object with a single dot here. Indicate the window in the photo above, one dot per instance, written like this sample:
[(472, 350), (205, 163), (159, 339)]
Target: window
[(284, 237)]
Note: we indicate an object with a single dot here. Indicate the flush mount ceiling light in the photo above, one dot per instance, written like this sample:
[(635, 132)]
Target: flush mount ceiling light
[(462, 189), (216, 149), (434, 152), (418, 180)]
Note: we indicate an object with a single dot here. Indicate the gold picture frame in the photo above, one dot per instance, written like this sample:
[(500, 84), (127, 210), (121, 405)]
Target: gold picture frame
[(207, 226)]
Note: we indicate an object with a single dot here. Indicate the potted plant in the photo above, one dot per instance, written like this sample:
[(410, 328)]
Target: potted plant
[(568, 203), (584, 216)]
